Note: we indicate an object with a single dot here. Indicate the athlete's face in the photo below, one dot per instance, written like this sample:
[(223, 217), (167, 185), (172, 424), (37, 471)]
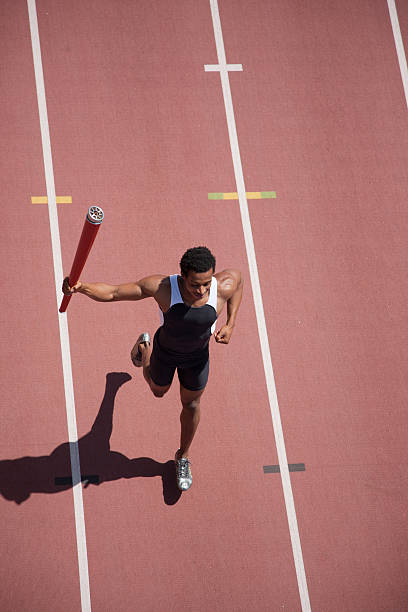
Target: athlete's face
[(197, 284)]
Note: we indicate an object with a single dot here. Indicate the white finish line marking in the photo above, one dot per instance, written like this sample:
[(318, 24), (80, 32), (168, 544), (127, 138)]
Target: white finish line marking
[(260, 316), (402, 60), (62, 318)]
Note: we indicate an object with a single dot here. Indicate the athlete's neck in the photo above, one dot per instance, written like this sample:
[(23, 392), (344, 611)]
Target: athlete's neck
[(188, 298)]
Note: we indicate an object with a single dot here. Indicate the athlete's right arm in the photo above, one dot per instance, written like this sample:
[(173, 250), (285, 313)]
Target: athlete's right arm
[(102, 292)]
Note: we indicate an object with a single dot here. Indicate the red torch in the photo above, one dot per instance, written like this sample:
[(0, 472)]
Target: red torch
[(93, 220)]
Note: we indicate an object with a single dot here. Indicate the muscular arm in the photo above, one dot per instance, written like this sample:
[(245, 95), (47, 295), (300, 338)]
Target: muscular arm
[(234, 302), (103, 292), (231, 287)]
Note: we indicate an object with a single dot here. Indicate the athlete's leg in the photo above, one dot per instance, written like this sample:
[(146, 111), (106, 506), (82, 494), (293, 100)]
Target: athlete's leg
[(192, 384), (157, 390), (189, 418)]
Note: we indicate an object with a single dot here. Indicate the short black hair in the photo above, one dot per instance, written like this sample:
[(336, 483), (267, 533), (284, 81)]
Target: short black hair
[(197, 259)]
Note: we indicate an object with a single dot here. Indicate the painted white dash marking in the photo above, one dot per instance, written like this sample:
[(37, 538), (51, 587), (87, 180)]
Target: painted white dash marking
[(218, 68), (62, 318), (399, 45), (260, 316)]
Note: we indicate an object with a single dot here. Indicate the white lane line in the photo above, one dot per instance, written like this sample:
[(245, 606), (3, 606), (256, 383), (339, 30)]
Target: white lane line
[(62, 318), (260, 316), (399, 45)]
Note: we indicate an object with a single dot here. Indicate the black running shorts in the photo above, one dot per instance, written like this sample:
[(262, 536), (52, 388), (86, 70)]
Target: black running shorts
[(192, 377)]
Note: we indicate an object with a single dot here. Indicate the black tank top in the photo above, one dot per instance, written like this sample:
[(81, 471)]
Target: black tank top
[(186, 331)]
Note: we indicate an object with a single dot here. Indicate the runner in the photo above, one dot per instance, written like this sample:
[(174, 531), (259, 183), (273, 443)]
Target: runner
[(189, 306)]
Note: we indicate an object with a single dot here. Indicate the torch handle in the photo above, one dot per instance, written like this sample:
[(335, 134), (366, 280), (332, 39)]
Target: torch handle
[(65, 302)]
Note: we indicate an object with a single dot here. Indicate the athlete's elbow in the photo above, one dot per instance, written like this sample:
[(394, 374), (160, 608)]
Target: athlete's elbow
[(114, 296)]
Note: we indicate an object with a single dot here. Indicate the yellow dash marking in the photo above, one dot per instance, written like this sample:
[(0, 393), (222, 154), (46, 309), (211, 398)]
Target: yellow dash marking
[(230, 196), (251, 195), (44, 200)]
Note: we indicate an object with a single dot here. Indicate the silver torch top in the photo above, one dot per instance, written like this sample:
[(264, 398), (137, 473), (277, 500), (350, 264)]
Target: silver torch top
[(95, 215)]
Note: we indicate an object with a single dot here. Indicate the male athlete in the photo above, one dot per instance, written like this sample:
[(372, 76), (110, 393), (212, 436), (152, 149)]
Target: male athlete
[(189, 306)]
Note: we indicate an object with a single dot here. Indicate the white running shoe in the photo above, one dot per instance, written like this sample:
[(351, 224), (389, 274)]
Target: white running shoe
[(183, 470), (135, 353)]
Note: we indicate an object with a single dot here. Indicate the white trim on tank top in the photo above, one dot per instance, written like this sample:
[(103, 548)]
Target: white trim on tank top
[(177, 299)]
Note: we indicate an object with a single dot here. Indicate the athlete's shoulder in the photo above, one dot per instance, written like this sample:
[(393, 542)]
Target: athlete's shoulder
[(155, 285), (228, 281)]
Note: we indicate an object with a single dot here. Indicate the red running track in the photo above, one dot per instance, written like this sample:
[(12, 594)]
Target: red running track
[(138, 127)]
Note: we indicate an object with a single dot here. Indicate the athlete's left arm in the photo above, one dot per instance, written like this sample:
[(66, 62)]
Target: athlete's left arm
[(230, 289)]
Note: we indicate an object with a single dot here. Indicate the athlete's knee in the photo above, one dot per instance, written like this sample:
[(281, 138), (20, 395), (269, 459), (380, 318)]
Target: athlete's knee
[(191, 405), (159, 391)]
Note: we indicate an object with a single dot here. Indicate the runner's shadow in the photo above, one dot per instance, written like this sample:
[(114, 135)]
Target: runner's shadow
[(52, 473)]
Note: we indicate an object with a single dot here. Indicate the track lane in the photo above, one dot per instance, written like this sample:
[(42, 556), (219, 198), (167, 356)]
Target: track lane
[(329, 132), (37, 515), (227, 520)]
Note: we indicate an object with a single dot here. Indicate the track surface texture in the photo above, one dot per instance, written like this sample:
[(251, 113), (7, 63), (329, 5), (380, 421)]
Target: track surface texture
[(138, 127)]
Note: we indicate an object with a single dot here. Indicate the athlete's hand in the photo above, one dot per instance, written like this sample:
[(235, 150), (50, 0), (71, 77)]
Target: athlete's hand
[(67, 290), (223, 335)]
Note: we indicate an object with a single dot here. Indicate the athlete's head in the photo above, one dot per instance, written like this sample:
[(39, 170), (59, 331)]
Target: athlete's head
[(197, 259), (197, 268)]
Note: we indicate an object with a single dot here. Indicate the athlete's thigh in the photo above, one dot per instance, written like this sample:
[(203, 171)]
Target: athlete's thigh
[(161, 374), (193, 381)]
